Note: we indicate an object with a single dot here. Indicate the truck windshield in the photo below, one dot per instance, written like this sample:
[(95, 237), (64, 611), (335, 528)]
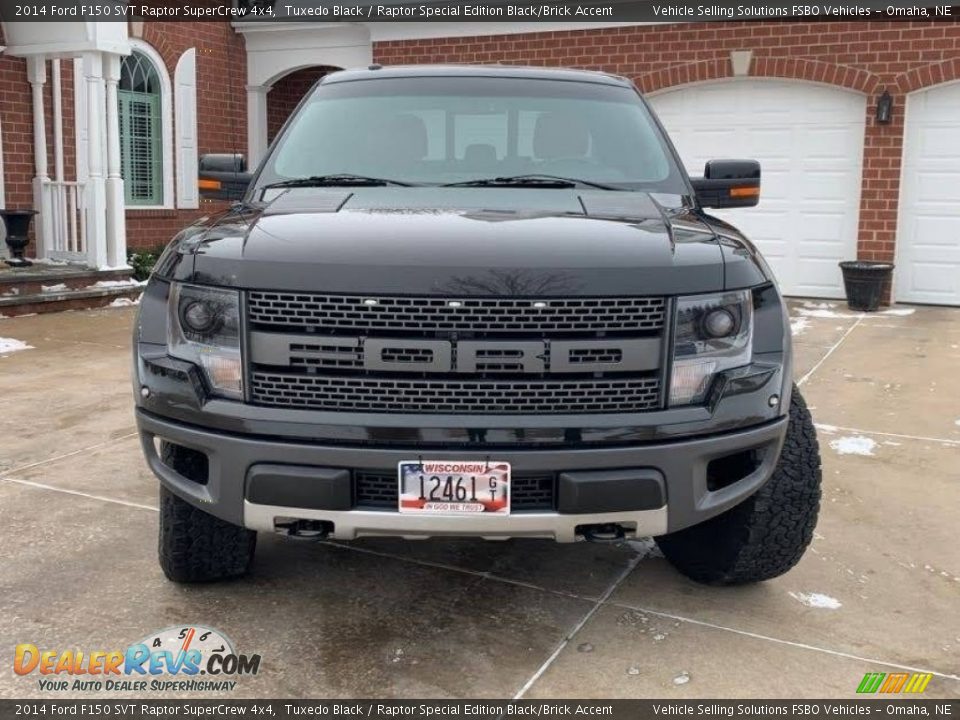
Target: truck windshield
[(443, 130)]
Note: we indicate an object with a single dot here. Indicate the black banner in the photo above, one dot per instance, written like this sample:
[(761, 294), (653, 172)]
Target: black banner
[(479, 709), (479, 11)]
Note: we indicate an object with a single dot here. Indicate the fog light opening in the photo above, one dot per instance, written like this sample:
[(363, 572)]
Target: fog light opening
[(191, 464), (729, 469)]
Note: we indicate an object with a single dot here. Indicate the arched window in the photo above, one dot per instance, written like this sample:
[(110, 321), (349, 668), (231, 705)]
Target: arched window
[(140, 96)]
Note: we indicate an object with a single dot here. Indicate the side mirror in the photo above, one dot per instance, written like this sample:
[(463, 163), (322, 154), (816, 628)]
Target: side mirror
[(728, 184), (223, 176)]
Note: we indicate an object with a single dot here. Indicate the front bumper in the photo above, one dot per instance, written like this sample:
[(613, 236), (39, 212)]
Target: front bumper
[(680, 467)]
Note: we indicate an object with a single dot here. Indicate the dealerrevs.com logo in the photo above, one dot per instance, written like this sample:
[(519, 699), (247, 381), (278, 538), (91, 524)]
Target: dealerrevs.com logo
[(182, 658)]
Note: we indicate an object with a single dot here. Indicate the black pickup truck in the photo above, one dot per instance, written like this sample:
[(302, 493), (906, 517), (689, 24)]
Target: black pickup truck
[(474, 301)]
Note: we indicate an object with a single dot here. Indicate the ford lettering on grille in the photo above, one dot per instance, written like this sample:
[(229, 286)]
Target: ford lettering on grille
[(460, 357)]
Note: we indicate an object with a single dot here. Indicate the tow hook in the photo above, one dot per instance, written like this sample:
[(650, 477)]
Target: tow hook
[(303, 529), (606, 533)]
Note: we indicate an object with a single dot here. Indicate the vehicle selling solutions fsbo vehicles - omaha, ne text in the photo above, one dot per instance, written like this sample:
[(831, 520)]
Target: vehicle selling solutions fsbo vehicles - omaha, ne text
[(481, 301)]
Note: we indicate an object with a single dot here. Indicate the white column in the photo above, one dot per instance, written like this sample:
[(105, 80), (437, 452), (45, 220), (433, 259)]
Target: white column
[(256, 124), (56, 92), (95, 198), (116, 218), (37, 76)]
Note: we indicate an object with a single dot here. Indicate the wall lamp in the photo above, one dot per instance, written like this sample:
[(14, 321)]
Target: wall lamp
[(884, 108)]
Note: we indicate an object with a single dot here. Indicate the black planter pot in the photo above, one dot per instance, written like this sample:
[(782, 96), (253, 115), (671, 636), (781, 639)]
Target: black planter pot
[(864, 280), (17, 223)]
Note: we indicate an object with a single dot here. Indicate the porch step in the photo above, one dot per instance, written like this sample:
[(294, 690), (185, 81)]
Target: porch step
[(44, 288)]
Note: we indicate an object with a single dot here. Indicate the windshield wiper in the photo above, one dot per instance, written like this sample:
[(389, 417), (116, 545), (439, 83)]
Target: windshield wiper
[(347, 179), (531, 180)]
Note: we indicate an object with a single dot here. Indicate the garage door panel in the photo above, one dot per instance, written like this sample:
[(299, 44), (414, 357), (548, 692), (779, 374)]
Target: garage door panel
[(809, 141), (928, 235), (936, 282), (932, 187), (822, 228), (938, 144)]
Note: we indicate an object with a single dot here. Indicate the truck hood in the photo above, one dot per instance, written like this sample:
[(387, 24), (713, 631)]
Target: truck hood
[(461, 241)]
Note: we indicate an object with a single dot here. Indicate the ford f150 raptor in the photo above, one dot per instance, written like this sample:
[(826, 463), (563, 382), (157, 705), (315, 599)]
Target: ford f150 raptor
[(474, 301)]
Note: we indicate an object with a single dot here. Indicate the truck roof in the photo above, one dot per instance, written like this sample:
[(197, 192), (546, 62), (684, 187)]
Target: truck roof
[(512, 71)]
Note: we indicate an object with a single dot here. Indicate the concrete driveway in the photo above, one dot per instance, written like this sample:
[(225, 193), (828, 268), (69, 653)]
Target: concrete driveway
[(879, 591)]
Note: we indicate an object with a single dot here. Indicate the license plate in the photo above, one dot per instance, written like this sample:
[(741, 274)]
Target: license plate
[(453, 487)]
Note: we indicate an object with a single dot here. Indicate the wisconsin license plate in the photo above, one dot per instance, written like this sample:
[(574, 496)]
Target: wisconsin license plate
[(454, 487)]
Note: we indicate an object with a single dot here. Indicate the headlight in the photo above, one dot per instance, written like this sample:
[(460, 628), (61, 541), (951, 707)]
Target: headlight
[(711, 333), (204, 328)]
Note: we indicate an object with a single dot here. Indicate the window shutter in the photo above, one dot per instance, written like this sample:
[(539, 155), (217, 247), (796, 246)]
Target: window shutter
[(140, 152), (185, 84)]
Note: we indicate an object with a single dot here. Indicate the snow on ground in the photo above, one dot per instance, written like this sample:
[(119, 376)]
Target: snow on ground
[(125, 302), (59, 287), (854, 445), (9, 345), (129, 282), (812, 310), (817, 600), (645, 548), (820, 306), (798, 325)]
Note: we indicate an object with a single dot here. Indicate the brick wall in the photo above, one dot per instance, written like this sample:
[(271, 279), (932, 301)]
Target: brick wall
[(862, 56), (286, 93)]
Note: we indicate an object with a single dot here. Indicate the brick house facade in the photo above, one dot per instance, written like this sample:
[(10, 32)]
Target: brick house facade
[(861, 57)]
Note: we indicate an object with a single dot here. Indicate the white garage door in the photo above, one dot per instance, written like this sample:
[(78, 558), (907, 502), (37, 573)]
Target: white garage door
[(809, 141), (928, 241)]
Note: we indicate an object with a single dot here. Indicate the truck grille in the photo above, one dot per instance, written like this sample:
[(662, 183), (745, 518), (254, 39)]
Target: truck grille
[(360, 313), (363, 394), (424, 355), (528, 492)]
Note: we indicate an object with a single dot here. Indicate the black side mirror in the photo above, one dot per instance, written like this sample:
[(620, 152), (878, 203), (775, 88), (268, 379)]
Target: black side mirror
[(223, 176), (728, 184)]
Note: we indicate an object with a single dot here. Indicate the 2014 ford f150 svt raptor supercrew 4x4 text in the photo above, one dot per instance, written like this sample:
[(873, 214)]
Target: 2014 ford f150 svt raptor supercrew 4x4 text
[(481, 301)]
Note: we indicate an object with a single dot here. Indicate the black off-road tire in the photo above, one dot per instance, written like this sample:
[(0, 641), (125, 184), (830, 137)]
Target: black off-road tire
[(198, 547), (767, 534)]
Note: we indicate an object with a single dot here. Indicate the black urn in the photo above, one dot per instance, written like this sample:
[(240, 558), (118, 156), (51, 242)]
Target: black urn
[(17, 223)]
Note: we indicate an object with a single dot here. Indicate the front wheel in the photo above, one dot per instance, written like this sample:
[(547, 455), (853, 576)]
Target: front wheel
[(198, 547), (766, 534)]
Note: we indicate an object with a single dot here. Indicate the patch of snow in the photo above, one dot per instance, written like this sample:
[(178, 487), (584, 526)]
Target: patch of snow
[(9, 345), (824, 313), (825, 428), (854, 445), (682, 679), (129, 282), (818, 311), (817, 600), (59, 287), (11, 292), (645, 548), (900, 312), (125, 302), (798, 325), (819, 306), (47, 261), (957, 423)]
